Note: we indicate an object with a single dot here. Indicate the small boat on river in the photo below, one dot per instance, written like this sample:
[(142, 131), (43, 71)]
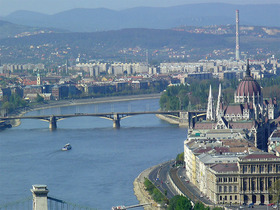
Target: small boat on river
[(66, 147)]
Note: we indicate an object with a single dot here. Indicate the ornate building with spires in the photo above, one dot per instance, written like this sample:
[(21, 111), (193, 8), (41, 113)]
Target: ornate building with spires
[(222, 154), (250, 115)]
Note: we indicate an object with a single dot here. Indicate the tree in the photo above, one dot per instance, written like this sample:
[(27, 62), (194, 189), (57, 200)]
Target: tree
[(200, 206), (274, 192), (180, 158), (179, 202), (39, 99)]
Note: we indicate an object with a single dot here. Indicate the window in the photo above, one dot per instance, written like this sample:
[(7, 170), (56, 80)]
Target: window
[(230, 197), (245, 169), (235, 188), (230, 179), (225, 188), (244, 185), (225, 198), (235, 197), (235, 179), (269, 168), (253, 185), (230, 188), (278, 168), (225, 179), (253, 169), (220, 180), (220, 188), (221, 198)]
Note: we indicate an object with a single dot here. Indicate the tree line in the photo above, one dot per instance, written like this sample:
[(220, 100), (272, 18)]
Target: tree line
[(193, 95)]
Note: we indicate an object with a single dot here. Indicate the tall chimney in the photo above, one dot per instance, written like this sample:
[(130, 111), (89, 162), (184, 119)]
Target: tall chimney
[(237, 36)]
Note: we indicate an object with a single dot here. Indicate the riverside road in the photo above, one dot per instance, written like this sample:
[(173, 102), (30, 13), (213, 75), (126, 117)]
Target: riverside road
[(159, 176)]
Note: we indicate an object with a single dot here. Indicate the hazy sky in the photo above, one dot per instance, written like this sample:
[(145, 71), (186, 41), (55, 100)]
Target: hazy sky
[(55, 6)]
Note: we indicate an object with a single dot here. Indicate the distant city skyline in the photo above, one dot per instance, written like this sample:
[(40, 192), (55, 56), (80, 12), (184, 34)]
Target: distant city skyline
[(56, 6)]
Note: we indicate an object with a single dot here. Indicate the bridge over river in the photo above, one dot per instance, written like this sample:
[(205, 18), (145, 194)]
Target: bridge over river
[(183, 118)]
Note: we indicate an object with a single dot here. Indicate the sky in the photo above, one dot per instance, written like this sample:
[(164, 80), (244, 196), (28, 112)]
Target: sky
[(55, 6)]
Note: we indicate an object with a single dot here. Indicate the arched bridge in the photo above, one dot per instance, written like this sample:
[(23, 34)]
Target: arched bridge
[(184, 118)]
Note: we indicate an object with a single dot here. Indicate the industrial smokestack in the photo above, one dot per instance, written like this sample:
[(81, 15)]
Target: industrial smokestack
[(237, 36)]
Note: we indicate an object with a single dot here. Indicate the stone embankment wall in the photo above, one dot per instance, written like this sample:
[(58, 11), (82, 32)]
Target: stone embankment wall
[(168, 119), (140, 192)]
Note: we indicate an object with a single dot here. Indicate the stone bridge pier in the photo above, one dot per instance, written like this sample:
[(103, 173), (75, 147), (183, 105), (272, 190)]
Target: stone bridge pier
[(184, 119), (116, 121), (52, 125)]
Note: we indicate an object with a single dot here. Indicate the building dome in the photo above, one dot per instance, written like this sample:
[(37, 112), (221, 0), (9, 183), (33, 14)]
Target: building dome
[(248, 86)]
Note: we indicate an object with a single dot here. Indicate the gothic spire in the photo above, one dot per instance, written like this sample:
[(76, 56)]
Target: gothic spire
[(219, 101), (248, 72), (210, 106)]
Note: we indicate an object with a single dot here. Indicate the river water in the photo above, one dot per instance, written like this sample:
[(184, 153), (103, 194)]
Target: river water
[(100, 169)]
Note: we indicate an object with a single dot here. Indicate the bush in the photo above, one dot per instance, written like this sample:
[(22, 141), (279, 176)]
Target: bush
[(154, 192), (179, 202)]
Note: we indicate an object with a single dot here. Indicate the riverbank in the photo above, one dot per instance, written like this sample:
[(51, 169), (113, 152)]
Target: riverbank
[(77, 102), (168, 119), (140, 191)]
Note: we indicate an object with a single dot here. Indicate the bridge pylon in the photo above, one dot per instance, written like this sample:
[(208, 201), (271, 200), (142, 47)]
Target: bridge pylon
[(40, 200), (52, 124), (116, 121)]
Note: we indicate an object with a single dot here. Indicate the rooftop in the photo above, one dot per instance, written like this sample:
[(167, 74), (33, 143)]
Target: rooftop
[(225, 167)]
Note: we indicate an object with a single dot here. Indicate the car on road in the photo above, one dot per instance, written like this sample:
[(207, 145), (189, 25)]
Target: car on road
[(251, 205)]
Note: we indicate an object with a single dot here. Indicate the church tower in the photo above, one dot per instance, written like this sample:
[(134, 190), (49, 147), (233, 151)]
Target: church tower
[(38, 79)]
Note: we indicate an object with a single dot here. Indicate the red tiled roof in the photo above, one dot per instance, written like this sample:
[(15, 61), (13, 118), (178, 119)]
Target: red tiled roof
[(29, 82), (221, 149), (203, 125), (241, 125), (259, 156), (225, 167), (203, 150), (231, 109)]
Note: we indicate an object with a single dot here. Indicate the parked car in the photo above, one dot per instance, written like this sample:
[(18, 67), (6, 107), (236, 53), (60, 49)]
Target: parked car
[(270, 204), (251, 205)]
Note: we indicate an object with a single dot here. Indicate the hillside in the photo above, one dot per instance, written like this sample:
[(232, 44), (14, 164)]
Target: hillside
[(132, 45), (91, 20), (10, 30)]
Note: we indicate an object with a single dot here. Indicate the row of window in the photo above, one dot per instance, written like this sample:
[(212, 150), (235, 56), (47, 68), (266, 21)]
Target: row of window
[(230, 198), (227, 179), (227, 188), (260, 169)]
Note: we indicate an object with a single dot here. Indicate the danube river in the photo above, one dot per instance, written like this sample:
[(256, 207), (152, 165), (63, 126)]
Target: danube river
[(100, 169)]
